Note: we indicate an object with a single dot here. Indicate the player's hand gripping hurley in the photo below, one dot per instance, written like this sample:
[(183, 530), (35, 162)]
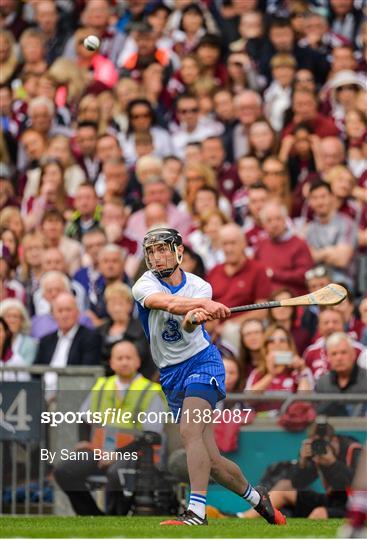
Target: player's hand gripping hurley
[(330, 295)]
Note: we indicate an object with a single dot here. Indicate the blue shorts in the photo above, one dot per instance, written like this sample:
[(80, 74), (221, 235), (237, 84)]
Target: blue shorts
[(206, 367)]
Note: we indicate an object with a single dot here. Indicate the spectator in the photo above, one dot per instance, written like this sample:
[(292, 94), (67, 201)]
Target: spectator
[(30, 270), (10, 241), (72, 344), (336, 466), (113, 220), (111, 265), (352, 325), (285, 255), (276, 179), (363, 313), (120, 325), (282, 39), (345, 18), (51, 284), (8, 58), (315, 356), (113, 183), (248, 107), (345, 376), (7, 356), (342, 182), (228, 279), (9, 288), (147, 51), (33, 147), (319, 36), (252, 336), (355, 130), (59, 148), (95, 17), (87, 213), (331, 236), (192, 262), (52, 227), (288, 317), (22, 344), (86, 140), (32, 45), (93, 241), (279, 369), (262, 139), (205, 241), (298, 151), (51, 194), (277, 97), (72, 475), (208, 52), (213, 154), (304, 109), (190, 128), (41, 117), (141, 119), (10, 218), (156, 190), (249, 172), (49, 22)]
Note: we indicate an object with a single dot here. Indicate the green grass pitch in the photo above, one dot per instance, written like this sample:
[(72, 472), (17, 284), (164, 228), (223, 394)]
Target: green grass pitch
[(148, 527)]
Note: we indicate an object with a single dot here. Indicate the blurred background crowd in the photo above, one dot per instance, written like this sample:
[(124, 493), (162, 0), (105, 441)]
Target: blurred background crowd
[(242, 123)]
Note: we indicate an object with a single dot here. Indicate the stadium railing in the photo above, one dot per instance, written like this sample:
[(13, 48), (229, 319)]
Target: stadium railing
[(22, 435)]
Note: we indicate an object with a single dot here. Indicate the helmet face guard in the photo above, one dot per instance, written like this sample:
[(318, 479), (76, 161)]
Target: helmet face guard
[(162, 237)]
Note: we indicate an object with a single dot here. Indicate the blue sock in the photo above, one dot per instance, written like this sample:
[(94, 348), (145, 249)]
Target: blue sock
[(197, 503), (251, 495)]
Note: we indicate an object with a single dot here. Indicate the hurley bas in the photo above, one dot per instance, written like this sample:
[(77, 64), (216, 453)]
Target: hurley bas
[(82, 455)]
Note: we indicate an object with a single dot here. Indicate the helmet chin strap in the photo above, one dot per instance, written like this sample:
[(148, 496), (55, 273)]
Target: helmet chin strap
[(169, 271)]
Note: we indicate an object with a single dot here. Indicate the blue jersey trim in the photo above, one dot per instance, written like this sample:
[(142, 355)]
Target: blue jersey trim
[(144, 316), (174, 288), (206, 335)]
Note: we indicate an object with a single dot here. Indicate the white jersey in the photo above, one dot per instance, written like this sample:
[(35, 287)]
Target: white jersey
[(169, 343)]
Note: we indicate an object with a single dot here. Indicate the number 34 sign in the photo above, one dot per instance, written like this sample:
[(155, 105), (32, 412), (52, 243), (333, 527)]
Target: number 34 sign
[(20, 411)]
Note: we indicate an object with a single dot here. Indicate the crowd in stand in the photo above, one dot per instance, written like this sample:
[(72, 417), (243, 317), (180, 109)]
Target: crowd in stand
[(241, 123)]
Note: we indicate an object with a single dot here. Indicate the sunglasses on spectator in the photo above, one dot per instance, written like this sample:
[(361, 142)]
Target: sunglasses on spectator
[(320, 271), (188, 111), (140, 115)]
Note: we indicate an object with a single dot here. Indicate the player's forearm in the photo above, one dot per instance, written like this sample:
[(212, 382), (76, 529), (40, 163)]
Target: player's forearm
[(177, 305)]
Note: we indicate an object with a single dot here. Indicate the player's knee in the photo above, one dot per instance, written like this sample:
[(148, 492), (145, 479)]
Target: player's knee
[(319, 513)]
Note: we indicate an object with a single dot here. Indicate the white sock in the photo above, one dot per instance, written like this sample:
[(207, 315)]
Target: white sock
[(197, 503), (251, 495)]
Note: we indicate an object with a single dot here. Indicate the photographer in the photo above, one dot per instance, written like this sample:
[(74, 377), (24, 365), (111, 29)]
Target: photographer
[(325, 455)]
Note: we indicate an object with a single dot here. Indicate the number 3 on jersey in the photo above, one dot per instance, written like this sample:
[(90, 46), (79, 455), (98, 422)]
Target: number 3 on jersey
[(171, 331)]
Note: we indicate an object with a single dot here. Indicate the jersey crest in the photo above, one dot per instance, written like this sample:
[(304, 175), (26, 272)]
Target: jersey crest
[(172, 331)]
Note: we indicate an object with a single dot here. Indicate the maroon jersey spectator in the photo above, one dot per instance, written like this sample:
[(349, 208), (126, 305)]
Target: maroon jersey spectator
[(272, 376), (285, 255), (304, 108), (212, 151), (239, 280), (315, 355)]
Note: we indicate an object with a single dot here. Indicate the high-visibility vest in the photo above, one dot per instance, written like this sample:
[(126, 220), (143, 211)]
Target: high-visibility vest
[(136, 399)]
